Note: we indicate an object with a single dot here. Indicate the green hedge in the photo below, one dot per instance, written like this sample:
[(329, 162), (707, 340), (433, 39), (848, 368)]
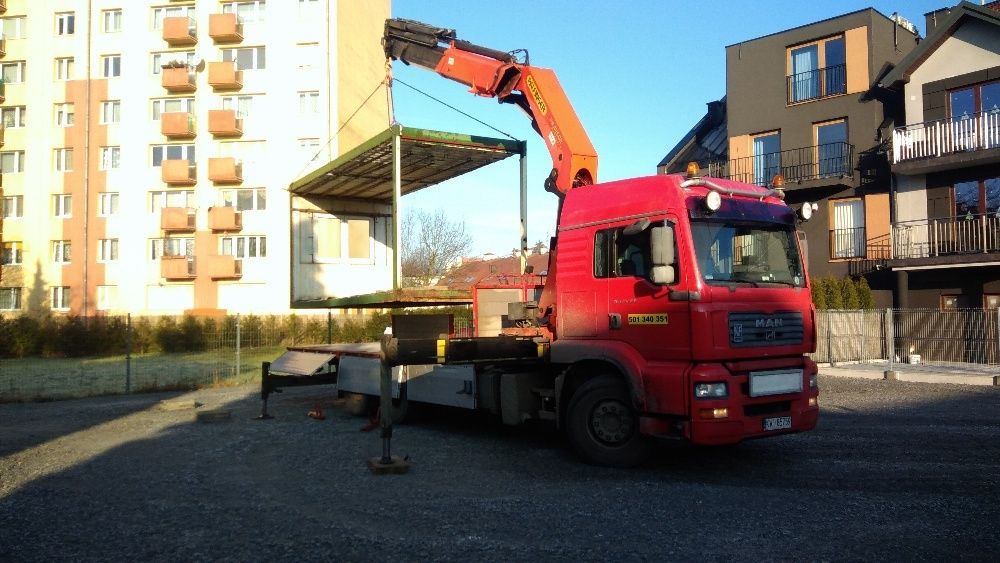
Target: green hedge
[(842, 293)]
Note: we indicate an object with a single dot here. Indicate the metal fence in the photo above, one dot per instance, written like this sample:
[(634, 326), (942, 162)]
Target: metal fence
[(911, 336)]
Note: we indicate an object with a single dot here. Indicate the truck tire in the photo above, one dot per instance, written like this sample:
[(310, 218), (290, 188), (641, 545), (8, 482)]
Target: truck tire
[(359, 404), (603, 426)]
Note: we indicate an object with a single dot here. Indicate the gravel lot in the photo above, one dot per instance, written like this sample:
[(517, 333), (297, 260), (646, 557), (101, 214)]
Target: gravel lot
[(895, 471)]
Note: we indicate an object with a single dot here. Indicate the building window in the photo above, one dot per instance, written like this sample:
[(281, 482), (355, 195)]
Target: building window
[(247, 58), (172, 152), (13, 73), (245, 199), (766, 157), (14, 116), (308, 9), (246, 12), (170, 12), (971, 110), (111, 21), (326, 238), (172, 105), (107, 297), (244, 246), (247, 152), (991, 301), (64, 115), (61, 251), (107, 250), (171, 198), (307, 55), (174, 246), (950, 302), (160, 59), (10, 298), (111, 66), (847, 237), (63, 160), (110, 157), (11, 162), (977, 197), (64, 68), (310, 149), (12, 253), (107, 204), (65, 23), (13, 28), (62, 206), (242, 105), (12, 207), (817, 69), (833, 157), (60, 298), (111, 111), (309, 102)]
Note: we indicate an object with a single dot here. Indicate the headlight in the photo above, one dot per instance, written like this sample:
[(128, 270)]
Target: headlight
[(806, 211), (711, 391)]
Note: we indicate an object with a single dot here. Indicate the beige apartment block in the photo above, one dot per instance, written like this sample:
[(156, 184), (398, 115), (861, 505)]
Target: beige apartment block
[(148, 146)]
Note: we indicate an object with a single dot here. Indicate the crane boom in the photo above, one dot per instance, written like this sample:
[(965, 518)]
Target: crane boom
[(498, 74)]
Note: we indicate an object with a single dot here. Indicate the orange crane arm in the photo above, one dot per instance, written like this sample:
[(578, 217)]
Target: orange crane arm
[(497, 74)]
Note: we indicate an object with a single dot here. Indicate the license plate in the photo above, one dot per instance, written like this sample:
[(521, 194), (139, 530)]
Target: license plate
[(777, 423)]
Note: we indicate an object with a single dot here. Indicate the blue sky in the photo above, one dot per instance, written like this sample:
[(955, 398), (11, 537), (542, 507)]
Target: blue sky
[(638, 73)]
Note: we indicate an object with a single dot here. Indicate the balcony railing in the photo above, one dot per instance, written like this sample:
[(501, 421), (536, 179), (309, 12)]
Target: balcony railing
[(177, 267), (3, 47), (926, 238), (177, 219), (976, 132), (224, 219), (224, 75), (178, 172), (179, 31), (3, 90), (178, 79), (847, 243), (224, 123), (816, 84), (177, 125), (225, 170), (225, 28), (833, 160), (225, 267)]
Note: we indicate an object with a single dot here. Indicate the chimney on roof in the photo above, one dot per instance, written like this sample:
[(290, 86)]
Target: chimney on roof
[(932, 19)]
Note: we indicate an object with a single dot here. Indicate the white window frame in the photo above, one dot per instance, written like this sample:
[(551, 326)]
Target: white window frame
[(161, 12), (18, 162), (62, 206), (19, 67), (310, 149), (63, 159), (258, 198), (107, 250), (12, 207), (65, 23), (308, 9), (16, 253), (848, 214), (110, 158), (111, 111), (187, 153), (60, 297), (306, 55), (309, 102), (163, 57), (256, 13), (159, 106), (171, 246), (65, 115), (243, 104), (313, 232), (239, 246), (65, 67), (14, 299), (232, 54), (107, 297), (19, 27), (107, 204), (111, 66), (160, 199), (62, 251), (111, 20), (18, 114)]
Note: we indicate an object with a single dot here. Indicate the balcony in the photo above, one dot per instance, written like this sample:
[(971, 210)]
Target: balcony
[(179, 31), (225, 268), (224, 76), (3, 47), (177, 125), (3, 90), (177, 267), (3, 6), (947, 144), (177, 219), (225, 28), (178, 172), (947, 241), (224, 123), (225, 170), (226, 219), (178, 79), (816, 84), (819, 162)]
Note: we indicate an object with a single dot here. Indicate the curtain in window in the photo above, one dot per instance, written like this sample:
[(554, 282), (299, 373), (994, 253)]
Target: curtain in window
[(805, 73), (849, 229)]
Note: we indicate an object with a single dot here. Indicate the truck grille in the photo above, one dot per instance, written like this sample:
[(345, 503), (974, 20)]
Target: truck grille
[(759, 329)]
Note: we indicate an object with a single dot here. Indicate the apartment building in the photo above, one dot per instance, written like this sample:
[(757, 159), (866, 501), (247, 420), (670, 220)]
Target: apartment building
[(148, 145)]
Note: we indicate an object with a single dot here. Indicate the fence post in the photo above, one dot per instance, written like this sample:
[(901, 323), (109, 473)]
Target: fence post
[(128, 353), (829, 336), (997, 356), (237, 374), (329, 326)]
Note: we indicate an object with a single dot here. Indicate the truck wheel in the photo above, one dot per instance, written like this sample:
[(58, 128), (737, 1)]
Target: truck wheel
[(603, 426), (356, 404)]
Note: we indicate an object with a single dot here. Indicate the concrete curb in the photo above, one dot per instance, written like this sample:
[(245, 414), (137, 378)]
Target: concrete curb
[(879, 372)]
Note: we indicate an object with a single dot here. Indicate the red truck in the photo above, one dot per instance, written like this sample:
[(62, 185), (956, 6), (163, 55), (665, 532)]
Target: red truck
[(674, 306)]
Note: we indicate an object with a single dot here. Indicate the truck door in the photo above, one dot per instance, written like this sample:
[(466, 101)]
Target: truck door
[(638, 311)]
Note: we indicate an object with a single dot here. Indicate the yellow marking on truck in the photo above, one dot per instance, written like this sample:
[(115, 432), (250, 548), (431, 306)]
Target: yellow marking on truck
[(648, 319), (440, 350), (541, 350), (533, 88)]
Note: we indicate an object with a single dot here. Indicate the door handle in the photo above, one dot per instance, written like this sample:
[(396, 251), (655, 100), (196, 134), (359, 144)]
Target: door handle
[(615, 321)]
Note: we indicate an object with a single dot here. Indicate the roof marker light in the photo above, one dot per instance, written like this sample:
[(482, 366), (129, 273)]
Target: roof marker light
[(713, 201)]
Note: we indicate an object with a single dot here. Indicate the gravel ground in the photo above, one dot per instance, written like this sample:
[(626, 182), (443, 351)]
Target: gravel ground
[(894, 471)]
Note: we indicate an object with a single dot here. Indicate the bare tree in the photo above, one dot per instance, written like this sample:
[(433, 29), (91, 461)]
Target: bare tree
[(432, 243)]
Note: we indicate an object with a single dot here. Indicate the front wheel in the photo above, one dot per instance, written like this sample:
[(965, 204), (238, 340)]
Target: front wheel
[(603, 426)]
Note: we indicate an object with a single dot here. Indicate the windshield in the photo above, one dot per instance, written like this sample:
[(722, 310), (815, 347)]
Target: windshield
[(758, 254)]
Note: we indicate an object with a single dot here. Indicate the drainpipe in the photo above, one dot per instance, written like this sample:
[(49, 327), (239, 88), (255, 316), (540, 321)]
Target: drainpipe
[(86, 170)]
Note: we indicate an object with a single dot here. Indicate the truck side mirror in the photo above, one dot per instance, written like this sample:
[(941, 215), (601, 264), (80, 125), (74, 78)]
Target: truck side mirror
[(661, 242)]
